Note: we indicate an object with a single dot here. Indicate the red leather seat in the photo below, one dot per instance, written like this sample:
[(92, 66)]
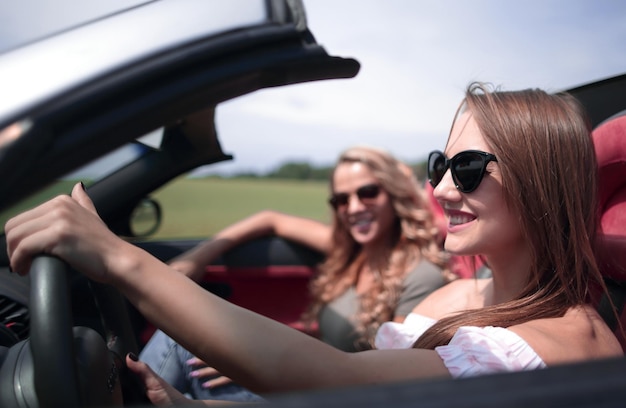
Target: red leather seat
[(610, 144)]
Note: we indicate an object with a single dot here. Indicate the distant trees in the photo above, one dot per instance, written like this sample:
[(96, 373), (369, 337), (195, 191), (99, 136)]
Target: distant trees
[(300, 171), (306, 171)]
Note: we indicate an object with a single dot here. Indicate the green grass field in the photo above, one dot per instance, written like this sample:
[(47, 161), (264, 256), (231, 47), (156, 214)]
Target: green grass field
[(61, 187), (201, 207), (198, 208)]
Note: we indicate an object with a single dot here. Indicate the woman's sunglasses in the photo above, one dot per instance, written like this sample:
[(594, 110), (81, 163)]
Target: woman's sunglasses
[(366, 194), (467, 168)]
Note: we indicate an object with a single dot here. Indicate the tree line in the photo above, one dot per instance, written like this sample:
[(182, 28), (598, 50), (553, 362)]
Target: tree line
[(305, 171)]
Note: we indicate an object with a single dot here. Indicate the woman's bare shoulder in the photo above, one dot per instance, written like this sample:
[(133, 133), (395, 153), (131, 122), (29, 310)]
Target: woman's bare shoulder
[(579, 335), (456, 296)]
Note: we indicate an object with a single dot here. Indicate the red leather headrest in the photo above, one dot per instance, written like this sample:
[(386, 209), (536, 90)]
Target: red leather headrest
[(610, 143)]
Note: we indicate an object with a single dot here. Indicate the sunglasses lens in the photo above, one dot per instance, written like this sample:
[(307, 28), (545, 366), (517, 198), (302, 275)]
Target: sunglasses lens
[(364, 194), (468, 169), (338, 200), (368, 192), (436, 167)]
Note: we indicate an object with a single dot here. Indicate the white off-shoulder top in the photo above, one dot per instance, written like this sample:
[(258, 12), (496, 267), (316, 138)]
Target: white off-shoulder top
[(472, 350)]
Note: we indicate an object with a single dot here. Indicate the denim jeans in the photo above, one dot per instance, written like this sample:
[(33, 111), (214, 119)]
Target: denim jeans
[(168, 359)]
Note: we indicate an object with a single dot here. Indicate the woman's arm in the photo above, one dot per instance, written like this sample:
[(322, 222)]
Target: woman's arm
[(305, 231), (580, 335), (255, 351)]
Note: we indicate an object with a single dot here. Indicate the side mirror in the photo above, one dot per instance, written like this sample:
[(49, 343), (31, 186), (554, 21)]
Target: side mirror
[(145, 219)]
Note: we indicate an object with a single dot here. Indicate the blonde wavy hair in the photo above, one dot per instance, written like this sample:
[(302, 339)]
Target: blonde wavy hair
[(416, 237)]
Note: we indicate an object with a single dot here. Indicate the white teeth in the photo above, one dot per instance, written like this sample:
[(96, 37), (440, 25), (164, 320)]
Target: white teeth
[(460, 219)]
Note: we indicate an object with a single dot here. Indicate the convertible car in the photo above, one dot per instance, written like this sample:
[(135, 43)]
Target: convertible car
[(141, 109)]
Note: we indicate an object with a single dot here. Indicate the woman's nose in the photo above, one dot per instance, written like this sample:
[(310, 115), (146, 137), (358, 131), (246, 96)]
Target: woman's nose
[(446, 189), (354, 204)]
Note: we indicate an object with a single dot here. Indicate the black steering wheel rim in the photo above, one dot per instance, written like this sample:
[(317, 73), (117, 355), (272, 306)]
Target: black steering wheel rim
[(55, 374), (53, 344)]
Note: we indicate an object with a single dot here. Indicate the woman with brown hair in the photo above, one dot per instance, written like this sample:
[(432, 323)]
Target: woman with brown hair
[(517, 181), (545, 271), (382, 257)]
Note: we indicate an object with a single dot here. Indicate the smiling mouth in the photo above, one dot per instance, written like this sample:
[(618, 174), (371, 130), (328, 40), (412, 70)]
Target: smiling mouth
[(458, 219)]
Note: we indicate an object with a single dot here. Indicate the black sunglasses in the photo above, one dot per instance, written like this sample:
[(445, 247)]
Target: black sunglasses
[(467, 168), (365, 194)]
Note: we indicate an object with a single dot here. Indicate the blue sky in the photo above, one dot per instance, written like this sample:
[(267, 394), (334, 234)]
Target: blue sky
[(417, 56), (416, 59)]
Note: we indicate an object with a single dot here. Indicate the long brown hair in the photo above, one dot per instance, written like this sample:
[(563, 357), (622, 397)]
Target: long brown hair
[(549, 177), (416, 236)]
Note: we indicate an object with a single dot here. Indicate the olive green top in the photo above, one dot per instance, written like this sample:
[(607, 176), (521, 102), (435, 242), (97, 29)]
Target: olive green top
[(335, 325)]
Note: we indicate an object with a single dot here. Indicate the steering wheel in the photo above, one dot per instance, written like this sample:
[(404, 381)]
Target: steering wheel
[(61, 365)]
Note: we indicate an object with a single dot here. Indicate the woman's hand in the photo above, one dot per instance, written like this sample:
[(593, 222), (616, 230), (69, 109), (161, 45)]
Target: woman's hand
[(67, 227), (216, 379), (161, 393), (193, 262), (187, 267), (158, 391)]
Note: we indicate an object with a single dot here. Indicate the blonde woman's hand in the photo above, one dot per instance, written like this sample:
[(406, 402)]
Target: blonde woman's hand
[(202, 371), (193, 262), (186, 267)]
